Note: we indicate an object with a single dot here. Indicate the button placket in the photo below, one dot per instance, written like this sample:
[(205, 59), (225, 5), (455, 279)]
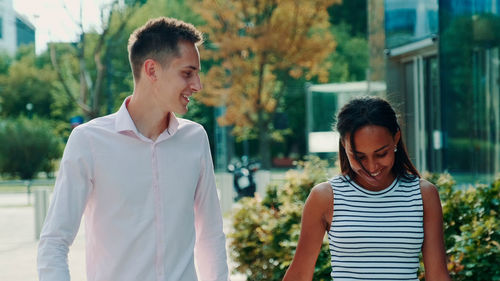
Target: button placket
[(158, 212)]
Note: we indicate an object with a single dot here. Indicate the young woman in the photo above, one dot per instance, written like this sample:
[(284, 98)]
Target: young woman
[(379, 214)]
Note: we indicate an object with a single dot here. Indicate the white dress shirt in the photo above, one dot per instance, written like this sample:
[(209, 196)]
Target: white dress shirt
[(151, 207)]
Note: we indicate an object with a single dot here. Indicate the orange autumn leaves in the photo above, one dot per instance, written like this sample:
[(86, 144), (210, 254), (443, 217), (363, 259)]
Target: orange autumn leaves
[(254, 44)]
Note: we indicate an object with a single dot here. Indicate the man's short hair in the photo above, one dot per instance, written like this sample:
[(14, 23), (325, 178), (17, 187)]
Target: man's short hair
[(158, 40)]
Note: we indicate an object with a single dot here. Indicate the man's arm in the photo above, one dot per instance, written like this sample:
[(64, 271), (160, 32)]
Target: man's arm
[(61, 225), (210, 247)]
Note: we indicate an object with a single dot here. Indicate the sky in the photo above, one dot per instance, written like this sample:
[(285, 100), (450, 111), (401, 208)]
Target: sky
[(53, 22)]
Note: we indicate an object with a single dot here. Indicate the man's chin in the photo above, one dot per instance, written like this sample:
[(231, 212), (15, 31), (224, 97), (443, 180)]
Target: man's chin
[(181, 112)]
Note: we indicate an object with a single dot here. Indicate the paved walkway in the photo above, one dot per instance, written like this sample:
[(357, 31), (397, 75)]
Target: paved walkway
[(18, 246)]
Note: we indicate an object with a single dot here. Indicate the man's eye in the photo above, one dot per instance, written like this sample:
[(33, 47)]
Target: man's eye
[(187, 74)]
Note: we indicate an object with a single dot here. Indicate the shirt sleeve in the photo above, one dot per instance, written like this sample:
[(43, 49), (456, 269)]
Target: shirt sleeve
[(71, 192), (210, 247)]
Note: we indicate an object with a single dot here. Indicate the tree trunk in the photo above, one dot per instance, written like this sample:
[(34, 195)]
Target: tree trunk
[(264, 142), (262, 121)]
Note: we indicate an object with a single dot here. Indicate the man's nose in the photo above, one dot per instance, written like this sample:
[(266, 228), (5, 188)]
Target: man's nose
[(196, 86)]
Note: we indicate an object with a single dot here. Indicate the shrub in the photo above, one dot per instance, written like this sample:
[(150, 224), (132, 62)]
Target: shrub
[(266, 230), (471, 228), (28, 147)]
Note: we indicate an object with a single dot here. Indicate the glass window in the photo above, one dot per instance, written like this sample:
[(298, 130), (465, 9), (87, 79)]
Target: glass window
[(25, 34), (469, 71), (408, 21), (1, 27), (433, 121)]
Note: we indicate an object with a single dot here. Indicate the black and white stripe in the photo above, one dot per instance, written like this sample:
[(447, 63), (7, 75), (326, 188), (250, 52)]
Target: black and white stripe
[(376, 235)]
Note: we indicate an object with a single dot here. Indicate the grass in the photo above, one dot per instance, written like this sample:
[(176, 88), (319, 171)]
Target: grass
[(13, 189), (20, 186)]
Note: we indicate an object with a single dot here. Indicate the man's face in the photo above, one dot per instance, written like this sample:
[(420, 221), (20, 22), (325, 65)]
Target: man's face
[(178, 80)]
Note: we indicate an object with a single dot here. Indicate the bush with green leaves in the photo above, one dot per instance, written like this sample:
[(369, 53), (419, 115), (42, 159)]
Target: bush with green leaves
[(266, 230), (28, 146), (471, 228)]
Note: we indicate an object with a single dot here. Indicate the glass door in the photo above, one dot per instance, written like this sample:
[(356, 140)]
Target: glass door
[(422, 118), (433, 120)]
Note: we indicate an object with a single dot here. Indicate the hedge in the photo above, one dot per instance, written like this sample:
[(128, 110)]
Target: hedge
[(266, 230)]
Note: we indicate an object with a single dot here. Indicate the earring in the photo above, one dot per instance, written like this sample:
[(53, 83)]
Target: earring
[(395, 149)]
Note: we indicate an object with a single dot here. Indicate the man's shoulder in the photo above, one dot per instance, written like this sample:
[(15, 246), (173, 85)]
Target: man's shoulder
[(103, 122), (186, 124), (95, 126)]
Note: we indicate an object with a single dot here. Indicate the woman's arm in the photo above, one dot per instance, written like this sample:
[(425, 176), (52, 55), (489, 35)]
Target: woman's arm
[(316, 219), (433, 248)]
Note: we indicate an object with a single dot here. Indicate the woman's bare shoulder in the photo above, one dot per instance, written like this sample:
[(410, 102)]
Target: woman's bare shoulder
[(428, 189), (321, 200), (322, 190)]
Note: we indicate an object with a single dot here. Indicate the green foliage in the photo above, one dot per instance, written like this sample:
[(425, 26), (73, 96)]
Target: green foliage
[(25, 82), (5, 62), (25, 51), (351, 57), (471, 228), (266, 230), (28, 147), (342, 13)]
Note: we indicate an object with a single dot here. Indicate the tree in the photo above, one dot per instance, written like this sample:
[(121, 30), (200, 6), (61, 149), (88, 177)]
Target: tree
[(28, 147), (24, 82), (349, 62), (351, 57), (257, 46), (5, 61), (343, 13), (93, 73)]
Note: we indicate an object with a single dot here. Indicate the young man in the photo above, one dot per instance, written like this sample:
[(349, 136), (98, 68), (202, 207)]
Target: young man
[(143, 178)]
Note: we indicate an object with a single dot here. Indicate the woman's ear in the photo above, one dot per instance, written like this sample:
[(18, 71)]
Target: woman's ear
[(397, 136)]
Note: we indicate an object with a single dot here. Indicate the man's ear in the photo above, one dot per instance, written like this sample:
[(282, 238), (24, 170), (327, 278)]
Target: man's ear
[(149, 68)]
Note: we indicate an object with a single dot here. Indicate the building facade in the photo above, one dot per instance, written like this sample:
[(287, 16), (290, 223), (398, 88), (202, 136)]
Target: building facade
[(443, 68), (25, 31), (15, 30), (7, 27)]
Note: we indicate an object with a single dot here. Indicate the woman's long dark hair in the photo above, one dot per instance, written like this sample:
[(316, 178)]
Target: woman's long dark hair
[(364, 111)]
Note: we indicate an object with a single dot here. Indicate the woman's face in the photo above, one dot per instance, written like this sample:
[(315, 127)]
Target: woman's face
[(375, 150)]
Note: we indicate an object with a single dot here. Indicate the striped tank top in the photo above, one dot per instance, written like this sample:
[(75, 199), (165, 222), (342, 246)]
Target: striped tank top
[(376, 235)]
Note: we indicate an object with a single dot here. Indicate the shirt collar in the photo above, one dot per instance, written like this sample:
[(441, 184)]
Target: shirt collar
[(124, 122), (173, 125)]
